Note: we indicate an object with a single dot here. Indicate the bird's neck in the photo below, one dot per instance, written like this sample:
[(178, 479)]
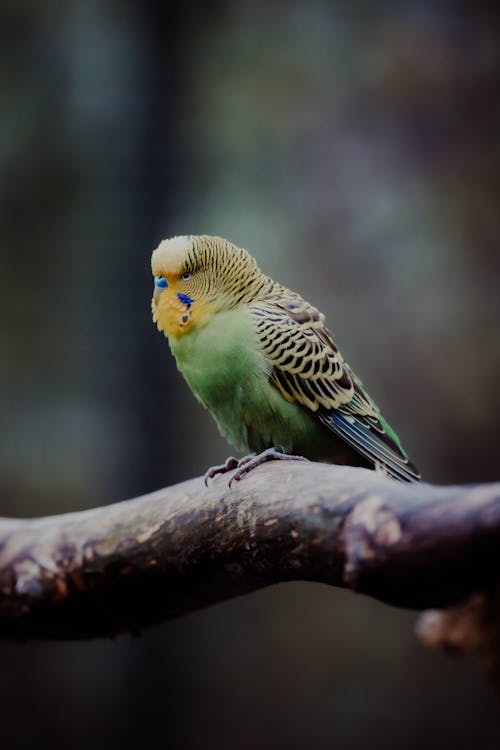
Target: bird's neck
[(255, 286)]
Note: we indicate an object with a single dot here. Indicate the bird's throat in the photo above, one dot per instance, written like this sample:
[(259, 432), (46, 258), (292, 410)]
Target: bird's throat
[(175, 318)]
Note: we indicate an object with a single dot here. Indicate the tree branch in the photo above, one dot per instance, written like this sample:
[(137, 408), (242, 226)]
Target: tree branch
[(126, 566)]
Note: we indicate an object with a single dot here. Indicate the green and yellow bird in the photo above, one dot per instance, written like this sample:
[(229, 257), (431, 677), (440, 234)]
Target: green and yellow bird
[(260, 359)]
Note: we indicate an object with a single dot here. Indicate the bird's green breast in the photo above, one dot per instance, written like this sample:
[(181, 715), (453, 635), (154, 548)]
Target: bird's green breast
[(224, 368)]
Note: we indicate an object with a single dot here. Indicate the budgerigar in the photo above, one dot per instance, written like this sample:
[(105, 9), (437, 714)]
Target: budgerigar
[(260, 359)]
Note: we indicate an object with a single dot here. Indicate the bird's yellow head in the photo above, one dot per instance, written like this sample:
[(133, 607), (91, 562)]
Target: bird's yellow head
[(195, 277)]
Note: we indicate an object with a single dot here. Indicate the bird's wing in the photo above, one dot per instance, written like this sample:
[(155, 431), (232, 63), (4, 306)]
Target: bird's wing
[(306, 367)]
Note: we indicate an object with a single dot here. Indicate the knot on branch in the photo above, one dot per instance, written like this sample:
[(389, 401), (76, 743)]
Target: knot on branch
[(371, 529)]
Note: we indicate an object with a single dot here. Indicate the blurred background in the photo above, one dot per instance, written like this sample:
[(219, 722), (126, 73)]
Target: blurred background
[(353, 148)]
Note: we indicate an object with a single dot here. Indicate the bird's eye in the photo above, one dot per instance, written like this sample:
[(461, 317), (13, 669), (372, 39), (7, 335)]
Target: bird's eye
[(185, 276), (161, 282)]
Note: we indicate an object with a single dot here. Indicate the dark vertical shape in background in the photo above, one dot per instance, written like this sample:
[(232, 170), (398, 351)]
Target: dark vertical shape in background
[(145, 178), (144, 399)]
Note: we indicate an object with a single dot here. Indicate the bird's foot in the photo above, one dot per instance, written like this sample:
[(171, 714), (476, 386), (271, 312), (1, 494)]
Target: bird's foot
[(248, 463)]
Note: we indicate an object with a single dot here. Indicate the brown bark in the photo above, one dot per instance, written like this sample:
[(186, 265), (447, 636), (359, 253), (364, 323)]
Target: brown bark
[(126, 566)]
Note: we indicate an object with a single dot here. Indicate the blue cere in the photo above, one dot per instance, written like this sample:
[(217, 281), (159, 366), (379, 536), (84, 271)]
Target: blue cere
[(161, 282), (185, 299)]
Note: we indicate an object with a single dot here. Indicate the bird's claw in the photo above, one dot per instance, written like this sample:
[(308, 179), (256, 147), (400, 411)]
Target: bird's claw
[(228, 465)]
